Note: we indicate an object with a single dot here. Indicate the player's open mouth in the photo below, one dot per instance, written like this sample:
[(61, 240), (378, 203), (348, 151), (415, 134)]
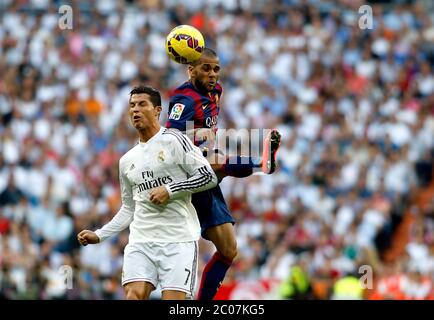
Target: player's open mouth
[(136, 118)]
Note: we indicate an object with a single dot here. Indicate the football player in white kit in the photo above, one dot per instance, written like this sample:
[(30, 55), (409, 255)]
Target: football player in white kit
[(157, 178)]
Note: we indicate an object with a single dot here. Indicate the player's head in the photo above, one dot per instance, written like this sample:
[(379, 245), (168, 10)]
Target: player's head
[(204, 73), (144, 107)]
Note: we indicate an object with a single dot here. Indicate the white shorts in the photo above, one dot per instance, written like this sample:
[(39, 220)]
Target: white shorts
[(172, 265)]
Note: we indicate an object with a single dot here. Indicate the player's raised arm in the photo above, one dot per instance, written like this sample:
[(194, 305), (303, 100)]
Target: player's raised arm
[(119, 222), (190, 158)]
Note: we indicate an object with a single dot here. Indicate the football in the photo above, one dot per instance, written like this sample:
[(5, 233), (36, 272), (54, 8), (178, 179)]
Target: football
[(184, 44)]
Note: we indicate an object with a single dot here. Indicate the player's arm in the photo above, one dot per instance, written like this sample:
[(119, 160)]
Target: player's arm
[(201, 175), (181, 110), (204, 138), (119, 222)]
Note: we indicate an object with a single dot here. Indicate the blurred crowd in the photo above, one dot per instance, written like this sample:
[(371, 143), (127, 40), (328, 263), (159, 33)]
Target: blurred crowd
[(355, 108)]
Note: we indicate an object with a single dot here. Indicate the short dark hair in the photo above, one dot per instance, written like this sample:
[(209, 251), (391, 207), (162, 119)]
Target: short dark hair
[(206, 52), (209, 52), (154, 94)]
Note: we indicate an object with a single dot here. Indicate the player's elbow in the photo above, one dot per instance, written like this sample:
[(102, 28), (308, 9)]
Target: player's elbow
[(213, 180)]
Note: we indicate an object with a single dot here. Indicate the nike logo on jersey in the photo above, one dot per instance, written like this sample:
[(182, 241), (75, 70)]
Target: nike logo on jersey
[(205, 105)]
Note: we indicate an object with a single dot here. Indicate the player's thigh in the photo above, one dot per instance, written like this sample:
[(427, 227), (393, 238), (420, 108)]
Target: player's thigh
[(138, 290), (139, 264), (223, 237), (177, 267), (173, 295)]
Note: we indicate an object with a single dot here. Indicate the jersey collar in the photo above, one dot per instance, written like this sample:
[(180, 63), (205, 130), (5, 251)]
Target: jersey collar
[(144, 144)]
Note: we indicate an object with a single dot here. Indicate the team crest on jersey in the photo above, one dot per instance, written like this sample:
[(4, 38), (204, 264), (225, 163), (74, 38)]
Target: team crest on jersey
[(161, 156), (176, 112)]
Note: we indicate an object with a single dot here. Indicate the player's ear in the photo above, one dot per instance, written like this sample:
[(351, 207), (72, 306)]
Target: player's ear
[(190, 71), (158, 110)]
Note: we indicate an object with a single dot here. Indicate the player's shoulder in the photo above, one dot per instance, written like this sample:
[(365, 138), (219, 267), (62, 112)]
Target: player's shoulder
[(186, 86), (186, 91), (128, 157), (174, 136)]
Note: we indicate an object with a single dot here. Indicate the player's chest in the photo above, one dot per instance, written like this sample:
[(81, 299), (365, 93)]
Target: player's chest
[(151, 167), (206, 115)]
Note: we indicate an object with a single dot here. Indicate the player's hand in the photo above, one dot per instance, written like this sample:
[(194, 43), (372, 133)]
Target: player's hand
[(202, 137), (86, 237), (159, 195)]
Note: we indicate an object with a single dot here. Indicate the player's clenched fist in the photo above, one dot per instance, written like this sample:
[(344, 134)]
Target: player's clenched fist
[(86, 237), (159, 195)]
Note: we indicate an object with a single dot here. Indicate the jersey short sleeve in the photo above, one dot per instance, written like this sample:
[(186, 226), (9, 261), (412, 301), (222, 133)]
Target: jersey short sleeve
[(181, 110)]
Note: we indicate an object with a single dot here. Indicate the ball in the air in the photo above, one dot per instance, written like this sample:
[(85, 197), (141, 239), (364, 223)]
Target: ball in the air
[(184, 44)]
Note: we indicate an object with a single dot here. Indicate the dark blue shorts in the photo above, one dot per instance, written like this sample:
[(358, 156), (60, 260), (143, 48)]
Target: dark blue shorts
[(211, 208)]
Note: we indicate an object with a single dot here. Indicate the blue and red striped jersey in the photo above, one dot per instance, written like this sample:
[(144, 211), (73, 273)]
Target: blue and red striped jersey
[(188, 104)]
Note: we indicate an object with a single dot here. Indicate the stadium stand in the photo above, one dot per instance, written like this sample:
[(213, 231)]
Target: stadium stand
[(355, 107)]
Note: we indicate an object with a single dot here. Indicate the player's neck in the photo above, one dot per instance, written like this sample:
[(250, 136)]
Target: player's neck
[(147, 133)]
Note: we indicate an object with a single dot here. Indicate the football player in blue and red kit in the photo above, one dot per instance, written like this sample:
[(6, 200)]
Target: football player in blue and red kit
[(196, 102)]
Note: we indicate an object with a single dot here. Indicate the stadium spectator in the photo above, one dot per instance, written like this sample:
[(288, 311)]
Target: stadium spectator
[(355, 108)]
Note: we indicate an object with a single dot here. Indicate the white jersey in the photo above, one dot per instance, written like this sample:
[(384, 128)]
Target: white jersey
[(169, 158)]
